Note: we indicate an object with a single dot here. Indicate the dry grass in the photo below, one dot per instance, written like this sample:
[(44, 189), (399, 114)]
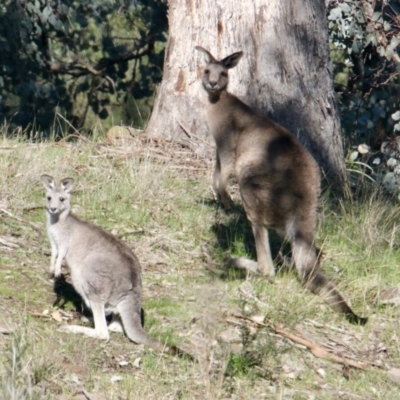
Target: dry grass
[(157, 197)]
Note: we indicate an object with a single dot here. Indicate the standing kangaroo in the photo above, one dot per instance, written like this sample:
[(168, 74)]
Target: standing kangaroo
[(279, 181), (104, 270)]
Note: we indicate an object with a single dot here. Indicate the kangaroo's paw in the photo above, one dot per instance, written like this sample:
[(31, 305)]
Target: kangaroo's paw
[(85, 331), (244, 263), (115, 326)]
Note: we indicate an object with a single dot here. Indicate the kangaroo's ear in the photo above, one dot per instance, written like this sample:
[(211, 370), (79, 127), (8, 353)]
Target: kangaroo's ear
[(232, 60), (67, 184), (209, 56), (48, 181)]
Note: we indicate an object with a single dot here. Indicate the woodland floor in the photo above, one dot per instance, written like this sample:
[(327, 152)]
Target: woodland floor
[(252, 338)]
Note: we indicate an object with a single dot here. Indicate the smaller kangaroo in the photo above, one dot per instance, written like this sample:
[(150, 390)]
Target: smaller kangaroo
[(279, 181), (104, 270)]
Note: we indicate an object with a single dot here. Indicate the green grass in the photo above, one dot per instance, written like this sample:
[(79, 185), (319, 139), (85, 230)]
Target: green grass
[(166, 213)]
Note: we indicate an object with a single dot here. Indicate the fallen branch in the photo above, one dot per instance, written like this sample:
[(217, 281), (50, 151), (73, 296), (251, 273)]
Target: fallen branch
[(5, 329), (46, 282), (254, 321), (6, 243), (39, 315), (23, 220), (210, 264), (185, 130), (88, 395), (317, 350), (190, 135)]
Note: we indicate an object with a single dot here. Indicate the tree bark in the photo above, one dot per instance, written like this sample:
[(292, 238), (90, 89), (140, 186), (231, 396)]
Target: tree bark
[(284, 74)]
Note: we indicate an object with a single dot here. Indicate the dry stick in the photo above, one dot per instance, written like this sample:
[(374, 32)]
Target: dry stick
[(23, 220), (315, 348), (5, 329), (210, 264), (78, 134), (46, 282), (87, 395), (39, 315), (6, 243), (63, 141), (186, 131), (190, 135), (188, 167)]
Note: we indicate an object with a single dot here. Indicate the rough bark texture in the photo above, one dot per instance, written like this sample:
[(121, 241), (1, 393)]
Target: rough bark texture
[(284, 73)]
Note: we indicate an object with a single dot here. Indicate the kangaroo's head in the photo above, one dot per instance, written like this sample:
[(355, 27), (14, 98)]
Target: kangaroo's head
[(215, 74), (57, 195)]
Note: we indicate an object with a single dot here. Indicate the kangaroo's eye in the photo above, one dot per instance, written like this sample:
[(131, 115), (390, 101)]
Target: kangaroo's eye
[(206, 71), (62, 199), (224, 74), (48, 198)]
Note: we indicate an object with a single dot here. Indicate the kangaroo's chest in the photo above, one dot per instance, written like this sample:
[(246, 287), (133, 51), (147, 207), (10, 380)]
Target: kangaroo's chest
[(55, 234), (219, 121), (60, 237)]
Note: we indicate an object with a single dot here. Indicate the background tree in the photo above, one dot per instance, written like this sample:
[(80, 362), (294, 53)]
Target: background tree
[(285, 71), (365, 37), (83, 58), (94, 59)]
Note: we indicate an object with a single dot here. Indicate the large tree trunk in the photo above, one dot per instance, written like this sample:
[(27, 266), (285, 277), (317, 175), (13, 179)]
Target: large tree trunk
[(284, 74)]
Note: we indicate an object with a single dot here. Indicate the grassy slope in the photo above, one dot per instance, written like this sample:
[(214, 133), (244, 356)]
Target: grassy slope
[(165, 212)]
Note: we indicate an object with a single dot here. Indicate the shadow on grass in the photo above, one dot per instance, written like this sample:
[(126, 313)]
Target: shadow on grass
[(66, 294), (234, 237)]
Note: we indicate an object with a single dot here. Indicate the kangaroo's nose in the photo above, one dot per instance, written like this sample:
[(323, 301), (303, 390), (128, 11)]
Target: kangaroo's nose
[(212, 84), (53, 209)]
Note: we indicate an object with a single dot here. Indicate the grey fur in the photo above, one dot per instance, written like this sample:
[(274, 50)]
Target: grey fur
[(279, 181), (104, 270)]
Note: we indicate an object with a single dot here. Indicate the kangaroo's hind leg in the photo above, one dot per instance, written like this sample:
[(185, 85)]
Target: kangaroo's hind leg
[(264, 258), (254, 198), (100, 330), (222, 171), (264, 264)]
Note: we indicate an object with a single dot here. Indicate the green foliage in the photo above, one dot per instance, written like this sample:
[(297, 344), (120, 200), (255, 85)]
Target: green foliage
[(380, 167), (15, 382), (240, 364), (359, 239), (80, 58), (364, 38)]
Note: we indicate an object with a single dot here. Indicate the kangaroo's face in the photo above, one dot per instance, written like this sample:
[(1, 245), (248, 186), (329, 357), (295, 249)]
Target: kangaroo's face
[(57, 201), (215, 77), (57, 196), (215, 74)]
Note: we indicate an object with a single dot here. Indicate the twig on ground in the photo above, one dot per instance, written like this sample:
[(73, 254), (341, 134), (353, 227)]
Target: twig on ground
[(6, 243), (23, 220), (190, 134), (45, 281), (210, 264), (318, 350), (186, 131), (39, 315), (78, 134), (88, 395)]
